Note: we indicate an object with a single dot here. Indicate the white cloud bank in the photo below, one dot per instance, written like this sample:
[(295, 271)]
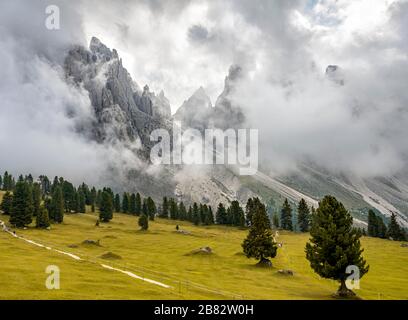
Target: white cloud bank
[(284, 47)]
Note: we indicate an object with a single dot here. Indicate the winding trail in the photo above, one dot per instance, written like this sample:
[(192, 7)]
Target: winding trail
[(77, 258)]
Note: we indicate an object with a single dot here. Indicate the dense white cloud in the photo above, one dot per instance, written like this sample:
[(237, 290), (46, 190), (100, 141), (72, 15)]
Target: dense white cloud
[(284, 47)]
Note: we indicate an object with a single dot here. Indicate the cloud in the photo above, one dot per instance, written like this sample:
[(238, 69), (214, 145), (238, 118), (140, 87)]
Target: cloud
[(283, 46)]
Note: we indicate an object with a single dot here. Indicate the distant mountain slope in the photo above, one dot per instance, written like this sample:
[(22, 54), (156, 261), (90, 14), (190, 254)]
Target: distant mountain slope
[(125, 115)]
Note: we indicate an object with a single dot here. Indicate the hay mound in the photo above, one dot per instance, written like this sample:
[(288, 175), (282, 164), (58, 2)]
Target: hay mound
[(91, 242), (110, 256), (201, 251), (286, 272), (110, 237), (184, 232)]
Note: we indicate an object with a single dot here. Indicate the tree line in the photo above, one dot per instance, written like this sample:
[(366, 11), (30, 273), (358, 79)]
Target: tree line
[(46, 201)]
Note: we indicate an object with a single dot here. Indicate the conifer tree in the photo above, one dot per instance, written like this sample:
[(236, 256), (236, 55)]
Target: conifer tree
[(1, 182), (106, 207), (145, 210), (138, 204), (394, 230), (221, 214), (165, 209), (210, 215), (7, 203), (334, 244), (286, 216), (36, 198), (382, 228), (151, 208), (126, 203), (22, 208), (57, 205), (259, 243), (132, 204), (143, 221), (248, 212), (69, 194), (42, 219), (372, 228), (117, 203), (196, 218), (182, 211), (81, 201), (303, 216), (190, 214), (376, 226), (237, 214), (173, 209)]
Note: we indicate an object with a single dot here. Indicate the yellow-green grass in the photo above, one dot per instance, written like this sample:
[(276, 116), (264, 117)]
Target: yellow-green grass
[(162, 254)]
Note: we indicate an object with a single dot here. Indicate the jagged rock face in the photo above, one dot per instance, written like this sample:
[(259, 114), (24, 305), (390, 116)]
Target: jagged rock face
[(197, 112), (226, 114), (123, 111)]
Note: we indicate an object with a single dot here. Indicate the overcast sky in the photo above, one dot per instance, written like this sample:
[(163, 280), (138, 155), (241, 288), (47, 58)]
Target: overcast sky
[(283, 46)]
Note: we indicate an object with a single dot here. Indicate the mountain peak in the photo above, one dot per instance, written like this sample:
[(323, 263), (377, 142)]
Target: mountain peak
[(101, 50), (200, 94)]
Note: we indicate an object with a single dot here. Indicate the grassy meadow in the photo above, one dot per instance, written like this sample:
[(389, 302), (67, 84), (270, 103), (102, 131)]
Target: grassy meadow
[(165, 255)]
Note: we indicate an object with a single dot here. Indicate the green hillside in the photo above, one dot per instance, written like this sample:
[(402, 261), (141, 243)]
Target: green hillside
[(167, 256)]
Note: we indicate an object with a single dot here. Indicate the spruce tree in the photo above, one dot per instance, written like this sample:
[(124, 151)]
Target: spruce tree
[(259, 243), (303, 216), (395, 232), (165, 209), (132, 204), (286, 216), (106, 207), (1, 182), (81, 201), (138, 204), (42, 219), (382, 229), (196, 218), (211, 215), (372, 228), (117, 203), (173, 209), (36, 198), (57, 205), (237, 214), (190, 214), (145, 210), (151, 208), (7, 203), (334, 244), (182, 211), (248, 212), (221, 214), (22, 208), (143, 222), (125, 203)]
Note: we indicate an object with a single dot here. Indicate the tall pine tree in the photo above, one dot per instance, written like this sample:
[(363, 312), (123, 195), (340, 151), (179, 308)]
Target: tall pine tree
[(286, 216), (334, 244), (56, 212), (303, 216), (395, 232), (22, 208), (106, 207), (259, 243)]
